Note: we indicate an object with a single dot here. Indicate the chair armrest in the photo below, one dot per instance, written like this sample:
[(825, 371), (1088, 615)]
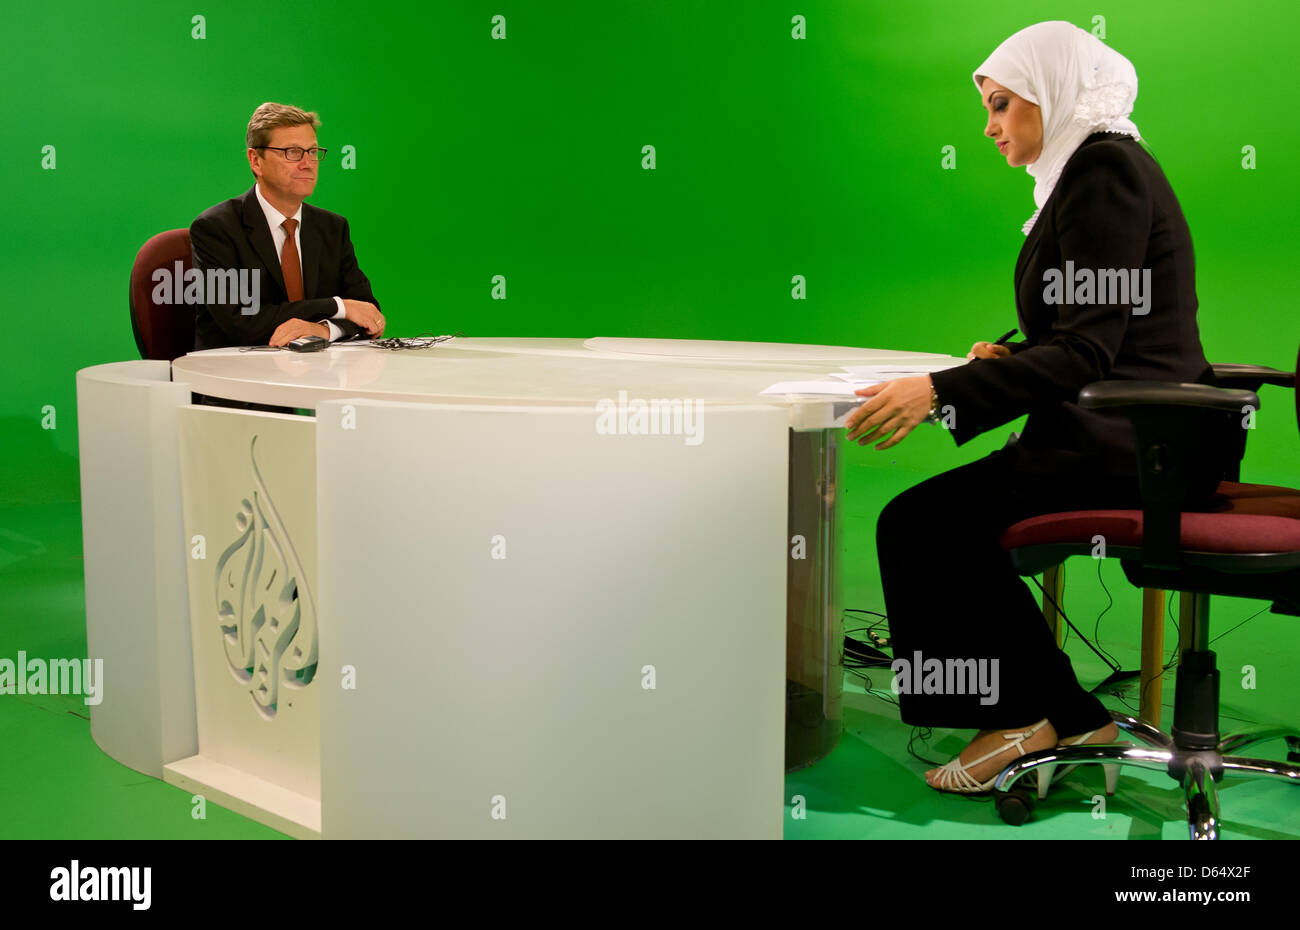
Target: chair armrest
[(1103, 394), (1186, 434), (1252, 377)]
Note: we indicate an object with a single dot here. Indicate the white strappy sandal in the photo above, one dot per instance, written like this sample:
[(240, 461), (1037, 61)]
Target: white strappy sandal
[(957, 779), (1111, 769)]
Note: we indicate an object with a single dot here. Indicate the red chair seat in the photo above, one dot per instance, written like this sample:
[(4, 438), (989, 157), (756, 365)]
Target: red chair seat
[(1242, 518)]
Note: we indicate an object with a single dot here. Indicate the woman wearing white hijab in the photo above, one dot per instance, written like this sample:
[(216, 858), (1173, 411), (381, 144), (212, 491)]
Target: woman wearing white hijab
[(1058, 102)]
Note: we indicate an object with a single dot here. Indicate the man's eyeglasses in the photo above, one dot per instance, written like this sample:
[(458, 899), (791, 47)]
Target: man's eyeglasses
[(295, 152)]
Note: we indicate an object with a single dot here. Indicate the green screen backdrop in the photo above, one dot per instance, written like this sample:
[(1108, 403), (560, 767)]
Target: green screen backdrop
[(522, 156)]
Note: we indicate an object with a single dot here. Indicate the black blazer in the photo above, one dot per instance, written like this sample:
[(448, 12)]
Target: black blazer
[(1111, 209), (235, 234)]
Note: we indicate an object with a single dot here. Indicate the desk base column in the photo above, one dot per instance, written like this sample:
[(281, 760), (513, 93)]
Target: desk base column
[(815, 628)]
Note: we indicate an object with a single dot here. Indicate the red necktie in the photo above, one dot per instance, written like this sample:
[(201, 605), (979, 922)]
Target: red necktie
[(290, 266)]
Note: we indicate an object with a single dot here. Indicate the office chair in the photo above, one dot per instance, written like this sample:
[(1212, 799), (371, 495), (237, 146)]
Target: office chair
[(1245, 543), (163, 329), (1151, 675)]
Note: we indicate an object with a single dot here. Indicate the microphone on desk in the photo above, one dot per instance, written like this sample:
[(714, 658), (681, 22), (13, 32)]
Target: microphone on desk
[(308, 344)]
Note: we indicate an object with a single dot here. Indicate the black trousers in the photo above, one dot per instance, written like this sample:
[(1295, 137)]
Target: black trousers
[(952, 595)]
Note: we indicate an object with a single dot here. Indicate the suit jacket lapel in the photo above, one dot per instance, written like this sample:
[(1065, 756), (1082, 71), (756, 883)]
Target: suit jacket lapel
[(259, 234), (1029, 248), (1036, 234), (1023, 264)]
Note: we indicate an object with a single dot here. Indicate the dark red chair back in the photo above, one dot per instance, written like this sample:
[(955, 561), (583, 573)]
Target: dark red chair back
[(163, 329)]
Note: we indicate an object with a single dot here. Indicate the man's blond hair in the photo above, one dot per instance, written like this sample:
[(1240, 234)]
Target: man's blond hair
[(270, 116)]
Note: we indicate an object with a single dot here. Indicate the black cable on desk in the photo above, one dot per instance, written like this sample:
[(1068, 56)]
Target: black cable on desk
[(422, 341)]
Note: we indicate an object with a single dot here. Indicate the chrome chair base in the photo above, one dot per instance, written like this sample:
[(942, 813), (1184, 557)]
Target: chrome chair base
[(1195, 767)]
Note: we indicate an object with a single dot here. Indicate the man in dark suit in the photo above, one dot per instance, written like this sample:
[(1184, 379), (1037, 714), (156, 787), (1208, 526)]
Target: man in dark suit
[(299, 258)]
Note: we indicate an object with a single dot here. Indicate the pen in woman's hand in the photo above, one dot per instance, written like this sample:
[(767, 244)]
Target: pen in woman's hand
[(991, 349)]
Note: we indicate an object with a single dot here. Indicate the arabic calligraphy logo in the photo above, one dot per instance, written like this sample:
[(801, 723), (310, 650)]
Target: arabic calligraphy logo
[(266, 611)]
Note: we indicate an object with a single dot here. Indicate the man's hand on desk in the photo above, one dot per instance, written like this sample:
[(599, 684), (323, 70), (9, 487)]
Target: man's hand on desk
[(290, 330), (894, 407), (366, 315)]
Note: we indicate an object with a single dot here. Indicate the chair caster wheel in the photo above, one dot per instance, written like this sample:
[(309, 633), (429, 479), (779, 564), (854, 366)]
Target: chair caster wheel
[(1016, 806), (1202, 823)]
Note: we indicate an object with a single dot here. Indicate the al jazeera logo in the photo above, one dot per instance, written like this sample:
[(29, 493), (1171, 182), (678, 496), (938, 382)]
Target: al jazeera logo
[(265, 611)]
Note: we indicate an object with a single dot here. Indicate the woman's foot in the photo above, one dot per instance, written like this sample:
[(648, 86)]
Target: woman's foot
[(1004, 749), (1107, 734)]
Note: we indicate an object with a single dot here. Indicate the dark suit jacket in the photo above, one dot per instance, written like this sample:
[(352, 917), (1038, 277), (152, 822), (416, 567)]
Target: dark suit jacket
[(235, 234), (1111, 209)]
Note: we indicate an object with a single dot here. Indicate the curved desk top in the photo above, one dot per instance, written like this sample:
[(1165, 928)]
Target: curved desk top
[(718, 351), (526, 371)]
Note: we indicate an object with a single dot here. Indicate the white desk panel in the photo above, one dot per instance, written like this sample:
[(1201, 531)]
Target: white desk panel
[(542, 624)]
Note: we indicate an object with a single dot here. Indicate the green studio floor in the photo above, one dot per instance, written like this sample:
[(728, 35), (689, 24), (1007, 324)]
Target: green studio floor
[(58, 784)]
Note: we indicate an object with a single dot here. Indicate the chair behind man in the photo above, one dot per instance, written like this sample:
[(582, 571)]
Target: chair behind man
[(163, 329)]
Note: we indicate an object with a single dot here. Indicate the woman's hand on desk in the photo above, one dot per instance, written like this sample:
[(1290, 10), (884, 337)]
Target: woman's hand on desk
[(987, 350), (894, 407)]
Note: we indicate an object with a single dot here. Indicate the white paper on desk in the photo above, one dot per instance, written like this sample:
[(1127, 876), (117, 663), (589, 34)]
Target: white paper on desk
[(882, 374), (834, 388), (888, 372)]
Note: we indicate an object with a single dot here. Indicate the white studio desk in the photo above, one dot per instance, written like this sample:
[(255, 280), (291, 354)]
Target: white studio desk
[(470, 597)]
